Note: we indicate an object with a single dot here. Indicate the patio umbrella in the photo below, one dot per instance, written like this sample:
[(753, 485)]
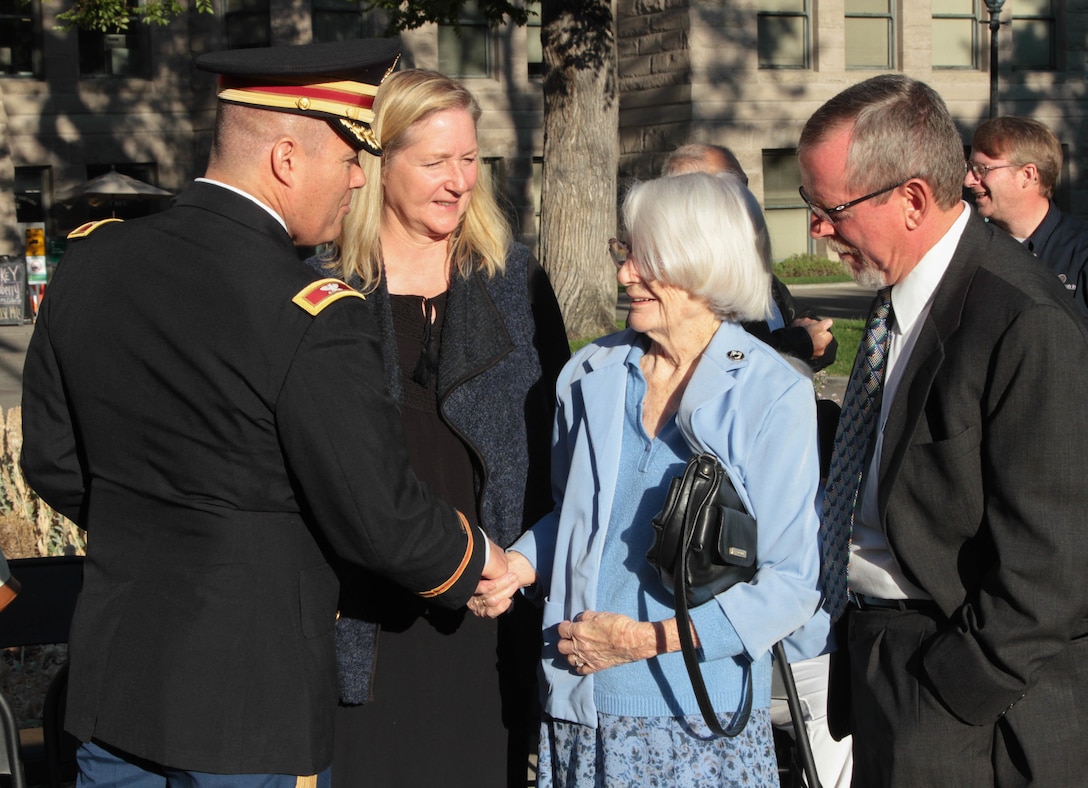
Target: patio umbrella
[(114, 185)]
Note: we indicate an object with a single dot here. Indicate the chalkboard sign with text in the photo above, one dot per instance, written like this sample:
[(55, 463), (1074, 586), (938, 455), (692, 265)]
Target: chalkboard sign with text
[(12, 290)]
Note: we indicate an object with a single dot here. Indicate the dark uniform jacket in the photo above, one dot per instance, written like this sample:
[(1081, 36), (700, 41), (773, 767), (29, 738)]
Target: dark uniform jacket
[(982, 500), (220, 443)]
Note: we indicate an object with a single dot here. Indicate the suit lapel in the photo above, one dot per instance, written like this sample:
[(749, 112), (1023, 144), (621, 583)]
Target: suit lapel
[(928, 356)]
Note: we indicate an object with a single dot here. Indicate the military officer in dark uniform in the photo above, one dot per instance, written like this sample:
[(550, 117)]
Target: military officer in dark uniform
[(176, 403)]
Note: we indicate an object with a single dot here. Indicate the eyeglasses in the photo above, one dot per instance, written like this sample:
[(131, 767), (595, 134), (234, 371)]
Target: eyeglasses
[(980, 171), (618, 251), (828, 214)]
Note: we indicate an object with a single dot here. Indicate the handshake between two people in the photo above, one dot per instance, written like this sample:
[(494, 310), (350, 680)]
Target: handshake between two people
[(504, 575)]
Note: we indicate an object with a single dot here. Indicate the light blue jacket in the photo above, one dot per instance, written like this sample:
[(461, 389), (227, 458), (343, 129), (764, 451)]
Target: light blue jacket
[(745, 404)]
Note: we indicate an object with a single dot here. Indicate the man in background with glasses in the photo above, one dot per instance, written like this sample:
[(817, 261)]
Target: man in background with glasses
[(1014, 166), (959, 508)]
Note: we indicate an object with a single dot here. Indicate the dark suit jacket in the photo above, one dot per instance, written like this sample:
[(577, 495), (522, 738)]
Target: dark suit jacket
[(983, 492), (219, 442)]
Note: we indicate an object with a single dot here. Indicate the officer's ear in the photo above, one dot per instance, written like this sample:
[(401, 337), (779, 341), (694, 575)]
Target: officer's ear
[(285, 155)]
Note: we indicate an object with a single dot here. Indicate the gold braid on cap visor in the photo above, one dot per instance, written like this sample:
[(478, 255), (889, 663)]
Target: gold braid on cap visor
[(362, 132), (348, 103)]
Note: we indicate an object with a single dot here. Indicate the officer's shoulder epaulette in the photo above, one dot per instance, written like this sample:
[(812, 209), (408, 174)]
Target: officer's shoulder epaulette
[(318, 295), (87, 228)]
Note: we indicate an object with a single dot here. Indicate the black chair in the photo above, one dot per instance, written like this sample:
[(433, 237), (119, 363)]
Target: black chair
[(40, 615)]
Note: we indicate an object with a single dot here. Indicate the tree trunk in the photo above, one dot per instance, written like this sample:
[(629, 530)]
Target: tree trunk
[(581, 154)]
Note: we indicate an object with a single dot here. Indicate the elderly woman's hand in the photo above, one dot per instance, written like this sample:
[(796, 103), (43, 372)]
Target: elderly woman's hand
[(493, 597), (595, 640)]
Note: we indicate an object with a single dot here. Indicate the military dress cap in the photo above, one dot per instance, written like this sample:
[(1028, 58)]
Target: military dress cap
[(336, 81)]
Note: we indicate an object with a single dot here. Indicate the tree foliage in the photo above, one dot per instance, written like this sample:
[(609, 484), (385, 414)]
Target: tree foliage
[(415, 13), (110, 15)]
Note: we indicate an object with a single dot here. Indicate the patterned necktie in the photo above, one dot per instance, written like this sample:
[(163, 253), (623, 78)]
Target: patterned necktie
[(860, 411)]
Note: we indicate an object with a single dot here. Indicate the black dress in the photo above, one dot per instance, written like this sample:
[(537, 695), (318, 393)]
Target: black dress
[(436, 714)]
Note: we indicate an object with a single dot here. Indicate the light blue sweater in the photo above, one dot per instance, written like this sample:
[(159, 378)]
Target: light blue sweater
[(752, 410), (627, 583)]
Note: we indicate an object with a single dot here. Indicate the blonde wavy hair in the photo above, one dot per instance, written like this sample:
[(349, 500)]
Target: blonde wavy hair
[(482, 236)]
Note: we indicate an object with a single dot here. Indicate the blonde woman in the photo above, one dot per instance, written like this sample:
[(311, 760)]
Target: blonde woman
[(473, 341)]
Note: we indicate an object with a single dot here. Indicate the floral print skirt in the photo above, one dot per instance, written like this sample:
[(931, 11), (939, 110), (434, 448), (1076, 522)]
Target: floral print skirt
[(671, 752)]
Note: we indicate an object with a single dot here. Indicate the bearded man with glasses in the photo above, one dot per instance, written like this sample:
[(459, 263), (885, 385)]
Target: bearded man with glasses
[(1012, 172), (962, 519)]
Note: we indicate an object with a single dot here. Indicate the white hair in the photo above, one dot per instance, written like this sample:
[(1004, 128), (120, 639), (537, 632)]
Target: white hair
[(706, 234)]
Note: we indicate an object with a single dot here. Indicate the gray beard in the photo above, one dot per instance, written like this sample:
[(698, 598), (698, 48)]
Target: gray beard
[(869, 276)]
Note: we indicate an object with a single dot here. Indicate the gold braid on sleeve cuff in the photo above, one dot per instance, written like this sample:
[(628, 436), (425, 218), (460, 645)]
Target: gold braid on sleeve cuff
[(437, 590)]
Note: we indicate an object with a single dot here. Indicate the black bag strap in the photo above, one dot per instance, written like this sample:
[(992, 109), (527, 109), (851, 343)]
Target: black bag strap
[(687, 642)]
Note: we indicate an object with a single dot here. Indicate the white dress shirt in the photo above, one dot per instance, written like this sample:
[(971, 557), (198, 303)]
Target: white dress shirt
[(873, 569)]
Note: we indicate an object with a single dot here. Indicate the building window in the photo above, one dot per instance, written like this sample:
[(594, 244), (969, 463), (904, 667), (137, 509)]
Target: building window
[(782, 29), (870, 34), (337, 20), (115, 53), (20, 37), (248, 23), (956, 30), (31, 185), (464, 50), (534, 51), (786, 213), (1033, 34)]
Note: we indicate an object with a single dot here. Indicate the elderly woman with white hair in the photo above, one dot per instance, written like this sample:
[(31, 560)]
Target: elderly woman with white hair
[(632, 408)]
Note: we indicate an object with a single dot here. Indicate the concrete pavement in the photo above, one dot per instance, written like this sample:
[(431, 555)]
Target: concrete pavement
[(836, 300)]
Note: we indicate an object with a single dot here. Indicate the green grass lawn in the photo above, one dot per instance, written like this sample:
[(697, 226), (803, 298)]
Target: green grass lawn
[(848, 332), (814, 280)]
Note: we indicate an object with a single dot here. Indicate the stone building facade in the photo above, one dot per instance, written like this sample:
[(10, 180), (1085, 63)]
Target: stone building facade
[(742, 73)]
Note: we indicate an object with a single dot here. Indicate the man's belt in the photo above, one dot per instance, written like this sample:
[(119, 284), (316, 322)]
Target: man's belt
[(866, 602)]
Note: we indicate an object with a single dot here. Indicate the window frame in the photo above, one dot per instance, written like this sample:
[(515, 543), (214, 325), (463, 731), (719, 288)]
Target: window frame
[(1051, 22), (976, 38), (472, 20), (338, 9), (235, 41), (792, 202), (34, 12), (892, 59), (805, 15), (100, 45), (534, 68)]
